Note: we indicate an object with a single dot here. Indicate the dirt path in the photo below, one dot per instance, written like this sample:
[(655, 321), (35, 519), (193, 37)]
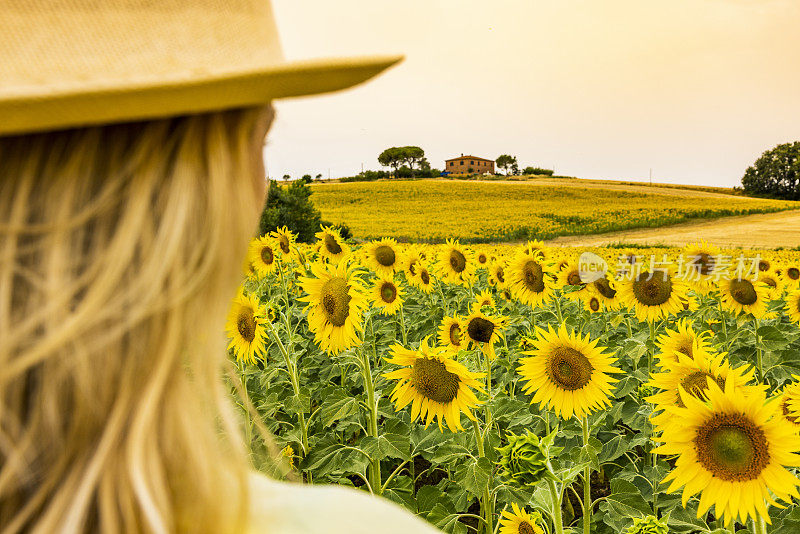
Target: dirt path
[(766, 230)]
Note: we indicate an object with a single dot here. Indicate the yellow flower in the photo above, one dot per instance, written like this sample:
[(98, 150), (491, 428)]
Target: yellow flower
[(387, 295), (497, 275), (733, 449), (335, 300), (681, 340), (382, 256), (528, 278), (245, 327), (434, 383), (520, 522), (570, 276), (331, 245), (568, 372), (484, 298), (793, 306), (484, 330), (452, 335), (423, 279), (262, 255), (456, 263), (740, 295), (654, 296), (285, 238)]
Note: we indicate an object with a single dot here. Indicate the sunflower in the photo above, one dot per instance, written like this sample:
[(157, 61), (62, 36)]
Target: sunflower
[(331, 244), (423, 280), (789, 395), (452, 335), (387, 295), (655, 295), (382, 256), (791, 274), (456, 263), (537, 249), (497, 275), (409, 260), (604, 289), (262, 254), (435, 385), (773, 282), (484, 298), (681, 340), (285, 238), (335, 300), (567, 372), (529, 280), (740, 295), (520, 522), (245, 327), (692, 374), (734, 450), (793, 306), (484, 330), (570, 275), (701, 264), (592, 304), (482, 259)]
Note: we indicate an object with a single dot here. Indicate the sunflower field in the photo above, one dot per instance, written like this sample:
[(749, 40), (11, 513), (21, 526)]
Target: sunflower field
[(483, 212), (528, 389)]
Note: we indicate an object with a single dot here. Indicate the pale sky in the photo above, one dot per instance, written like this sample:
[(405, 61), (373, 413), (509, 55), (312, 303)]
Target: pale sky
[(694, 89)]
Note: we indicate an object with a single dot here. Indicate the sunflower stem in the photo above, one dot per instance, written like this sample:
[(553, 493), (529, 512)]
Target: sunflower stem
[(403, 326), (369, 387), (556, 496), (724, 323), (759, 354), (654, 456), (587, 482), (486, 503), (558, 309)]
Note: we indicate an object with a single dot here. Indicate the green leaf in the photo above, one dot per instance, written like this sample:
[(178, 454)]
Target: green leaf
[(474, 476)]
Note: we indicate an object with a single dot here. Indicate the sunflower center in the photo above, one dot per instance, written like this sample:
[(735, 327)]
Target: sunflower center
[(336, 300), (770, 282), (267, 256), (793, 273), (284, 244), (412, 268), (388, 292), (594, 304), (246, 324), (501, 276), (743, 292), (763, 265), (425, 277), (457, 261), (569, 369), (455, 334), (480, 329), (432, 379), (481, 258), (331, 245), (652, 289), (703, 263), (732, 447), (384, 255), (685, 349), (574, 278), (525, 528), (532, 274), (603, 287)]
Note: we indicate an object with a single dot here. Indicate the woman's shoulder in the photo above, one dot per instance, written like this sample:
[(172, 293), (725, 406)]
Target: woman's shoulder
[(287, 508)]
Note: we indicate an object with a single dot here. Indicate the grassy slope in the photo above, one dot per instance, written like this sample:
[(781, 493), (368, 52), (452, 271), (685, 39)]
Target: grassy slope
[(433, 210)]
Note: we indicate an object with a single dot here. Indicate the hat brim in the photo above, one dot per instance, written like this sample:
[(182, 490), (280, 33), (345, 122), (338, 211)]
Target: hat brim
[(142, 101)]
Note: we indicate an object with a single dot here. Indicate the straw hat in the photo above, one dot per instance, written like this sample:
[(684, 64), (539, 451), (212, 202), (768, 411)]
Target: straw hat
[(70, 63)]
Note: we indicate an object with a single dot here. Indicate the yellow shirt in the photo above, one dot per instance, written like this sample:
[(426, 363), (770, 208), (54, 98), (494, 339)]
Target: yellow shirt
[(286, 508)]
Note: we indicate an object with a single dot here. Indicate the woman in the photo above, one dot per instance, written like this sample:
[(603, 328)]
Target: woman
[(131, 180)]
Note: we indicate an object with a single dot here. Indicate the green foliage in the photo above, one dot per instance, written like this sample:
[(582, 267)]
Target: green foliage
[(776, 174), (648, 525), (537, 171), (290, 206), (399, 156)]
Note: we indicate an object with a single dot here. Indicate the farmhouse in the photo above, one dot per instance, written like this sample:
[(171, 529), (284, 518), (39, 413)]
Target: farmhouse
[(469, 164)]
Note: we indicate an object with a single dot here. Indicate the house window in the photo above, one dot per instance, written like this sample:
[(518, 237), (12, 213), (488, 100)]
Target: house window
[(452, 163), (471, 162), (462, 162)]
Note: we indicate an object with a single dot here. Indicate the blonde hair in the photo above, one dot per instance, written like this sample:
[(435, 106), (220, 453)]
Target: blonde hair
[(120, 248)]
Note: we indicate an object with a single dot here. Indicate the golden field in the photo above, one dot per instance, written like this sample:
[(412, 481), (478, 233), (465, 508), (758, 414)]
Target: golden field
[(433, 210)]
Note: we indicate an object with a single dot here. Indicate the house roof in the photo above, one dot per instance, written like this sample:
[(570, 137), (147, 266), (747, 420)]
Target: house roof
[(469, 157)]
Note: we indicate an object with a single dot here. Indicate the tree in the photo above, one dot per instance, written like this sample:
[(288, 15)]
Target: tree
[(506, 162), (412, 155), (776, 173), (287, 177), (291, 206), (307, 178), (392, 157)]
